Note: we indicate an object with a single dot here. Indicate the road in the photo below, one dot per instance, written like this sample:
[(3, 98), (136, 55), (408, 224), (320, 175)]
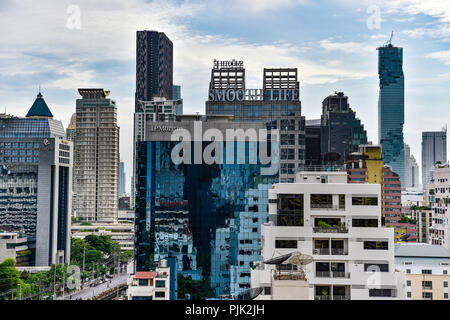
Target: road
[(89, 293)]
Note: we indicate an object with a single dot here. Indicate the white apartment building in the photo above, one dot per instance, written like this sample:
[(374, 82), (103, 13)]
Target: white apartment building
[(150, 285), (427, 269), (339, 226), (440, 229)]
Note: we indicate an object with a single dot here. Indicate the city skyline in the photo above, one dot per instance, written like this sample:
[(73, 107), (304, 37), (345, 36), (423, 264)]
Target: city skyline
[(329, 59)]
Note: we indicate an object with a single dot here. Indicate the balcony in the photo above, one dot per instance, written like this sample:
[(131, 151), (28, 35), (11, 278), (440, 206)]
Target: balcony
[(332, 251), (337, 297), (332, 274), (327, 207), (341, 229)]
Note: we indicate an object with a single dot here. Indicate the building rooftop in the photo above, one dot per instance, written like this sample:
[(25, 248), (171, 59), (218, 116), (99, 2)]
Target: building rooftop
[(421, 250), (39, 108), (146, 275)]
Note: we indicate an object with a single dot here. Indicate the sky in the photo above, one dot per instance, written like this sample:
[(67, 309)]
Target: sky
[(63, 45)]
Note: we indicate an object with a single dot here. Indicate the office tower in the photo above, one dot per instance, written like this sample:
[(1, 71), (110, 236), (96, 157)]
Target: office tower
[(434, 150), (341, 131), (411, 169), (177, 97), (336, 226), (426, 268), (277, 105), (122, 179), (440, 228), (96, 171), (154, 66), (213, 211), (391, 107), (36, 181)]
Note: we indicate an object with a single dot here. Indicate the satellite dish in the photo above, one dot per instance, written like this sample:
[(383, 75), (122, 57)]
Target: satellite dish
[(298, 259), (279, 259)]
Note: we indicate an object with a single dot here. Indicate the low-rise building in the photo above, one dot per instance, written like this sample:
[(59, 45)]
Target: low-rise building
[(123, 233), (150, 285), (427, 269), (14, 245), (339, 225)]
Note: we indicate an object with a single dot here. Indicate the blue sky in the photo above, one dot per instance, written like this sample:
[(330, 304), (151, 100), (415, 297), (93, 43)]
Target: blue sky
[(332, 43)]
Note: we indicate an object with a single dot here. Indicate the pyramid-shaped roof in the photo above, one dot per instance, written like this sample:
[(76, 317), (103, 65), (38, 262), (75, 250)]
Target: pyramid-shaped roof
[(39, 108)]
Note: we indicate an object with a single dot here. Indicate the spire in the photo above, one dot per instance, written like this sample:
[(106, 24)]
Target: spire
[(39, 108)]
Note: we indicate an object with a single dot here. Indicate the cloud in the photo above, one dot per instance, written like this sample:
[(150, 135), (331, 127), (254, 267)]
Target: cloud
[(443, 56), (265, 5), (349, 47)]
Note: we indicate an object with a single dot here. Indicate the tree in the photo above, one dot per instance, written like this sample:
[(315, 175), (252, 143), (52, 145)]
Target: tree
[(9, 276)]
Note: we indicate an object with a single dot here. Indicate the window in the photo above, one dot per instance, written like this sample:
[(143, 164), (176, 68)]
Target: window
[(143, 282), (267, 291), (408, 294), (408, 283), (427, 271), (364, 201), (365, 223), (290, 210), (427, 295), (160, 284), (321, 201), (286, 244), (373, 267), (408, 270), (445, 295), (445, 284), (380, 293), (375, 245), (160, 294), (427, 284)]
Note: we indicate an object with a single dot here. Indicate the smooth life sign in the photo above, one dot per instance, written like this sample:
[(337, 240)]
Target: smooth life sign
[(232, 95)]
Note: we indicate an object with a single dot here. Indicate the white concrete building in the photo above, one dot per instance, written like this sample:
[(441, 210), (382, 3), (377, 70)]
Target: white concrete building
[(339, 225), (440, 228), (150, 285), (427, 269), (14, 245)]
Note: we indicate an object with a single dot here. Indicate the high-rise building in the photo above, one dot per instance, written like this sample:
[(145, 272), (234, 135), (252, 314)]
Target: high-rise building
[(313, 155), (154, 66), (177, 97), (440, 227), (341, 131), (434, 150), (36, 181), (96, 172), (213, 211), (391, 107), (122, 179), (411, 169), (277, 105), (336, 227)]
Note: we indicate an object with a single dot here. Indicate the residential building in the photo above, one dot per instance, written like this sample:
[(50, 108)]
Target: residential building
[(427, 269), (122, 232), (338, 225), (423, 217), (36, 181), (154, 66), (150, 285), (440, 230), (96, 172), (341, 131), (214, 210), (391, 108), (411, 169), (434, 150), (277, 106)]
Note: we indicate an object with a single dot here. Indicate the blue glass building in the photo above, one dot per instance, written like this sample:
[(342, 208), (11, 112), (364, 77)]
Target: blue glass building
[(391, 107), (201, 210)]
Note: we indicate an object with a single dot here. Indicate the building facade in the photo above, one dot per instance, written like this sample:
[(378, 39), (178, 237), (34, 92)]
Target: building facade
[(391, 108), (341, 131), (213, 210), (122, 179), (96, 172), (154, 66), (36, 181), (411, 170), (427, 270), (313, 156), (337, 227), (434, 150), (277, 105), (440, 229)]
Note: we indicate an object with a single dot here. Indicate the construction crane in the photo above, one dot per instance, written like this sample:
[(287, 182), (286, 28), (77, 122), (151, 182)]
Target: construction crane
[(389, 42)]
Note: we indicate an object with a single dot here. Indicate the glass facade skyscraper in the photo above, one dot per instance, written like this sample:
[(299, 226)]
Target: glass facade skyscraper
[(434, 149), (391, 107), (212, 212)]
